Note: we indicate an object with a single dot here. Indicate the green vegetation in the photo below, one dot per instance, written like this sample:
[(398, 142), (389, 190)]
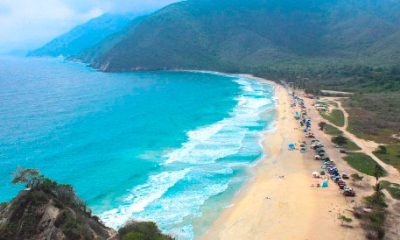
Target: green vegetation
[(392, 188), (345, 220), (332, 103), (389, 154), (141, 231), (331, 130), (373, 221), (375, 116), (336, 117), (362, 163), (70, 218), (339, 140), (350, 146), (84, 37), (3, 205), (321, 45), (345, 143)]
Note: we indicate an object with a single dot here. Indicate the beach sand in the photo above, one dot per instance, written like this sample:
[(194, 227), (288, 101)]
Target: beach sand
[(279, 202)]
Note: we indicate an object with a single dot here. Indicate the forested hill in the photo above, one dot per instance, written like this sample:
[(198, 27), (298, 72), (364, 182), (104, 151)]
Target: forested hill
[(236, 35), (85, 36)]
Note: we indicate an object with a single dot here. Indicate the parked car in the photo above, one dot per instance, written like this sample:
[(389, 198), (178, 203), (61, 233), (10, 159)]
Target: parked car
[(341, 184), (348, 192)]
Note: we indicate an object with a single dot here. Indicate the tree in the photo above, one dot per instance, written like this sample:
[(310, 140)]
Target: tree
[(27, 176), (322, 125), (378, 198), (339, 140), (379, 172), (382, 149)]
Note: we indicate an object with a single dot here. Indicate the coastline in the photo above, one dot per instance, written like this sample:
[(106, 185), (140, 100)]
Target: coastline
[(279, 202)]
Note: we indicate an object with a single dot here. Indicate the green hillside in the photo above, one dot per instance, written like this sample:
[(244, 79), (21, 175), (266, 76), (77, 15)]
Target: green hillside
[(277, 38), (85, 36)]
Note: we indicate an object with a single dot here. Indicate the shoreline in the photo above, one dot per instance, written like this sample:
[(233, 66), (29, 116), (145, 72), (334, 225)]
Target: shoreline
[(277, 202)]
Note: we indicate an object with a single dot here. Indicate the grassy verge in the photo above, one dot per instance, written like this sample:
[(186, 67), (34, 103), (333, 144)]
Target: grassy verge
[(345, 143), (374, 116), (332, 103), (390, 156), (392, 188), (336, 117), (362, 163), (351, 146), (331, 130)]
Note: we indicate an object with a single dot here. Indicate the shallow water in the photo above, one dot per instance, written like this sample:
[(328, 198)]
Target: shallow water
[(172, 147)]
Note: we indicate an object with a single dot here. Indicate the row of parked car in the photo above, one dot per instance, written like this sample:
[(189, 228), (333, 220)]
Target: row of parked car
[(330, 166), (319, 148)]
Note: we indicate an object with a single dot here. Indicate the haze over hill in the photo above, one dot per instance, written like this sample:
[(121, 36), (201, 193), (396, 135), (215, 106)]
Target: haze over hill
[(228, 35), (84, 36), (273, 38)]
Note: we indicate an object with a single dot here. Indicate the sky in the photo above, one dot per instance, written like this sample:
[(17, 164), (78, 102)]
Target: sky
[(28, 24)]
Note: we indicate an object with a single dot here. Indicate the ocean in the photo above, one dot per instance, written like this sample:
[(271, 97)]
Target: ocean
[(171, 147)]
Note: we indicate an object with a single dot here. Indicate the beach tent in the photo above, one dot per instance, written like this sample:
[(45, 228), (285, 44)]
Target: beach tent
[(292, 146), (324, 184)]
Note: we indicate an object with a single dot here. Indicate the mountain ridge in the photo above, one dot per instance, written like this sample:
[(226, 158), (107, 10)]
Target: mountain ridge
[(84, 36), (232, 34)]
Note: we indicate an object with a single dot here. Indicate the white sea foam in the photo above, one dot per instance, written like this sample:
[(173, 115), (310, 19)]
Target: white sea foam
[(210, 143), (173, 198), (141, 196)]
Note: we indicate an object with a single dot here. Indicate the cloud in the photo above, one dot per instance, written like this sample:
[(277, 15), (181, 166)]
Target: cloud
[(27, 24)]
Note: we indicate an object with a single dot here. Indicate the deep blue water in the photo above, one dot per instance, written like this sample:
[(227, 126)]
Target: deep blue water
[(172, 147)]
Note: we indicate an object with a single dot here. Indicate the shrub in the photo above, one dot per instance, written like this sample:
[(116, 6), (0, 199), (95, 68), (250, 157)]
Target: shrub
[(5, 229), (339, 140), (3, 205), (133, 236), (147, 230), (344, 220), (382, 149), (322, 125), (37, 197)]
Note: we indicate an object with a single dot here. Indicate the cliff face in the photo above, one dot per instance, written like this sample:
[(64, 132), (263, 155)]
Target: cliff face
[(36, 214)]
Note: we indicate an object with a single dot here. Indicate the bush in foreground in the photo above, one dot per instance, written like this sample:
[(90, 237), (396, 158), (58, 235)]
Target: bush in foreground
[(141, 231)]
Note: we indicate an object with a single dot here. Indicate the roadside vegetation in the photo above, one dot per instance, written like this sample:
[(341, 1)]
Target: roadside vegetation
[(392, 188), (389, 154), (331, 130), (336, 117), (345, 143), (375, 116), (363, 163), (373, 214)]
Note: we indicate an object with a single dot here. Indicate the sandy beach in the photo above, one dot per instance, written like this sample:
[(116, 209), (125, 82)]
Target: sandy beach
[(279, 202)]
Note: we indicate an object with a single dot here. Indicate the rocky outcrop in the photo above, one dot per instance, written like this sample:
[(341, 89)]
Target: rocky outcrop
[(35, 214)]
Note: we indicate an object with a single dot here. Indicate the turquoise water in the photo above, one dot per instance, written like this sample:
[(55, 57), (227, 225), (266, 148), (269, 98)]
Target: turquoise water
[(171, 147)]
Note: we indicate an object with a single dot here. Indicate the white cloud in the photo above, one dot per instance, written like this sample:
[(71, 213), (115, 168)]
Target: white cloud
[(27, 24)]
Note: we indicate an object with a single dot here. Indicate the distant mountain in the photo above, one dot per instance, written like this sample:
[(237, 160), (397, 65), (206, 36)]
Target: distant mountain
[(237, 35), (84, 36)]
